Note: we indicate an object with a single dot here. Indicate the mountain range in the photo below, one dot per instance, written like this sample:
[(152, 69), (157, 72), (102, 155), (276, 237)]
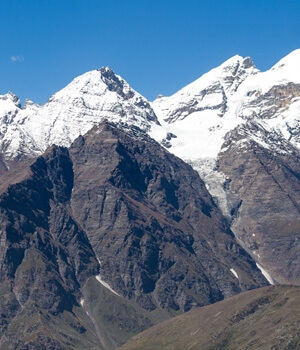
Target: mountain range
[(118, 213)]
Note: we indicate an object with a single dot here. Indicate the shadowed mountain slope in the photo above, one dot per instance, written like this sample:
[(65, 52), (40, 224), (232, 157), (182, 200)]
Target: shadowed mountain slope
[(105, 239)]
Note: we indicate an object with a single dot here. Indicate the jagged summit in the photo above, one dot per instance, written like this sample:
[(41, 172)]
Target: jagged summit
[(11, 97), (88, 99), (210, 92), (9, 104), (96, 83), (227, 96), (105, 69), (237, 60)]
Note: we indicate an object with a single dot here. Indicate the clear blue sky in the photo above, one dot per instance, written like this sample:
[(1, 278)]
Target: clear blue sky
[(157, 46)]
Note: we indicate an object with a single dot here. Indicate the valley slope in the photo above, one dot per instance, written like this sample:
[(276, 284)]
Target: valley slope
[(264, 318)]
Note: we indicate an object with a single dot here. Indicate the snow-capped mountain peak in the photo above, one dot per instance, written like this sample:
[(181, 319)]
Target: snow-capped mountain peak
[(87, 100), (10, 97), (226, 97), (232, 65), (9, 106), (210, 92), (197, 117), (200, 119)]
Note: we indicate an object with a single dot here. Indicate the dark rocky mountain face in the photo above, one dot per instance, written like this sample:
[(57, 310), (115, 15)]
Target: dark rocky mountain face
[(263, 187), (153, 224), (116, 205), (45, 257)]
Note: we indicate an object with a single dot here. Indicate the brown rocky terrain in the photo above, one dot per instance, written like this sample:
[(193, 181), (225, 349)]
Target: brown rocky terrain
[(263, 185), (116, 205), (265, 318), (154, 213)]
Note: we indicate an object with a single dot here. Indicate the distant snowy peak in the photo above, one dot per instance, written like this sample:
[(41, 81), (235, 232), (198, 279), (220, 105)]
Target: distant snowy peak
[(86, 101), (103, 89), (10, 98), (9, 106), (192, 123), (203, 112), (281, 81), (274, 98), (90, 98), (209, 92), (237, 81), (234, 71)]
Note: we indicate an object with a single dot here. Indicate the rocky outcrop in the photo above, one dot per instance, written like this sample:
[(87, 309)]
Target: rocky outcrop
[(270, 104)]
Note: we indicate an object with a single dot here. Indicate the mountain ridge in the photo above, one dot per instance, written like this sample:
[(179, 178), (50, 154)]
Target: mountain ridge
[(234, 72), (234, 104)]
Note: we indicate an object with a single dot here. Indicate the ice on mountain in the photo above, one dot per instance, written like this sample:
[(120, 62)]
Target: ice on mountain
[(266, 274), (200, 114), (234, 273), (75, 109)]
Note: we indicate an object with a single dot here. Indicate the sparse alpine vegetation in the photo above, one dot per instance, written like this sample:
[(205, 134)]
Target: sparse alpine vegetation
[(266, 318)]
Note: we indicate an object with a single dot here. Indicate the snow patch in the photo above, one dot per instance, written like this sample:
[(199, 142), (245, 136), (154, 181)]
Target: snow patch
[(106, 285), (266, 274), (82, 305), (234, 273), (255, 252)]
